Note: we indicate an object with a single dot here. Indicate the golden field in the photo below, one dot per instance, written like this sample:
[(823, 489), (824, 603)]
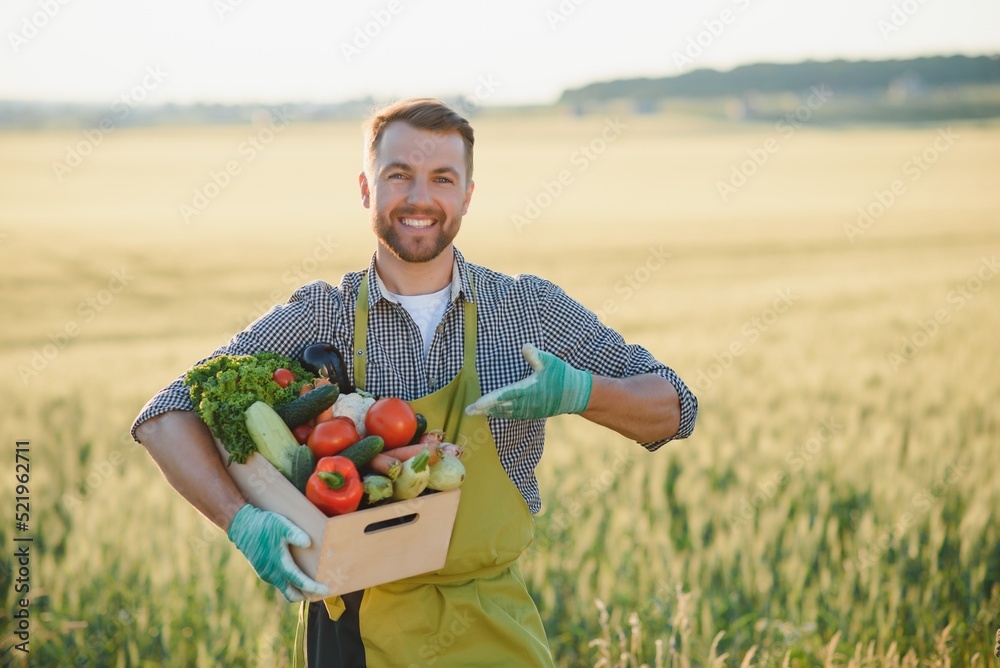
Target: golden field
[(838, 499)]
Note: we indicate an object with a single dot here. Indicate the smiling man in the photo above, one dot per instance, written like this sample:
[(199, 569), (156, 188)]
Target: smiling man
[(487, 357), (417, 184)]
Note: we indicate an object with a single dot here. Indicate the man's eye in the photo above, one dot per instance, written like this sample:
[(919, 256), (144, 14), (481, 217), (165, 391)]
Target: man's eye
[(444, 179), (397, 176)]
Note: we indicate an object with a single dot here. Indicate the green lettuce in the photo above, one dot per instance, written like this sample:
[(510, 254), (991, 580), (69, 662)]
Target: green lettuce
[(224, 387)]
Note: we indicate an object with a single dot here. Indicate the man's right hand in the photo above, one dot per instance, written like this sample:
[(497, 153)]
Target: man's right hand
[(264, 539)]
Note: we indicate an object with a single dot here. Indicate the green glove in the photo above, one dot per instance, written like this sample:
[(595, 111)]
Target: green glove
[(263, 537), (555, 388)]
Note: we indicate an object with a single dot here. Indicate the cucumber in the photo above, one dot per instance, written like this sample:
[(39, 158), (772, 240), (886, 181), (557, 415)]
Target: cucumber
[(309, 405), (362, 452), (272, 437), (303, 465)]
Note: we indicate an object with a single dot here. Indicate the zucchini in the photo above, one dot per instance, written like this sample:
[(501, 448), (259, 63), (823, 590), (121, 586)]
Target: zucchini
[(362, 452), (272, 437), (309, 405), (303, 465)]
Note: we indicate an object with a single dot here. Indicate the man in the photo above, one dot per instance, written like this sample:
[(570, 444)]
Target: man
[(425, 325)]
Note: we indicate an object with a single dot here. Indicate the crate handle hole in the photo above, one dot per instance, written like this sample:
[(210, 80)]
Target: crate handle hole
[(391, 522)]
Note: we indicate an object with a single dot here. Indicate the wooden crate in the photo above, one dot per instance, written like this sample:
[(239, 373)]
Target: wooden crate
[(361, 549)]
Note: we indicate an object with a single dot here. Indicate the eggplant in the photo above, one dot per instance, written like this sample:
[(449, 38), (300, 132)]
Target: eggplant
[(324, 360)]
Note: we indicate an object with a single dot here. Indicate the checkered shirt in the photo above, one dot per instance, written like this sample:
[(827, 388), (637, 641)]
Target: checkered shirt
[(512, 311)]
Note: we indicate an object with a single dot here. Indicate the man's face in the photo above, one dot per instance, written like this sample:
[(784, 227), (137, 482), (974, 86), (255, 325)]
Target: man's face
[(417, 191)]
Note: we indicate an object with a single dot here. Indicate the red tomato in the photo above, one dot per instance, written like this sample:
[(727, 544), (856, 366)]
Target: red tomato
[(301, 433), (283, 377), (393, 420), (345, 418), (330, 437)]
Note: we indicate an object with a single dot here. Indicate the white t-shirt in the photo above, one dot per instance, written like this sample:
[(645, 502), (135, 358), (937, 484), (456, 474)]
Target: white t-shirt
[(426, 311)]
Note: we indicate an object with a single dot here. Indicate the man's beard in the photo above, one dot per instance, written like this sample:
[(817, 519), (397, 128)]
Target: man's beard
[(430, 246)]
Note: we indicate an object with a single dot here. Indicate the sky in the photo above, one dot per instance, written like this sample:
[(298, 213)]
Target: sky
[(493, 53)]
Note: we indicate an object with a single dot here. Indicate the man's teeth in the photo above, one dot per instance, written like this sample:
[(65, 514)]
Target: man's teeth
[(415, 222)]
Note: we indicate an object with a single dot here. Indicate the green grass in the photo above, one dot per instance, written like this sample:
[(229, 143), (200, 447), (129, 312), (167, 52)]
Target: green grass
[(874, 525)]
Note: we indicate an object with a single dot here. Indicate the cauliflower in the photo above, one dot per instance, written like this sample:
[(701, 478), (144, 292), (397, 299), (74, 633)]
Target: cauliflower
[(354, 406)]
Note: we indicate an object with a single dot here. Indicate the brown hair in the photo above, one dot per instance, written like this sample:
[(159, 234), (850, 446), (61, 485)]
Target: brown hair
[(423, 113)]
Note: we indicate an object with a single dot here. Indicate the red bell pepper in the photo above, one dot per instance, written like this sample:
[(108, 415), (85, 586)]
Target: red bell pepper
[(335, 486)]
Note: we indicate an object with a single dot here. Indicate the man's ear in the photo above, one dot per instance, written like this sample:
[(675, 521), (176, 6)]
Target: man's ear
[(366, 196), (468, 197)]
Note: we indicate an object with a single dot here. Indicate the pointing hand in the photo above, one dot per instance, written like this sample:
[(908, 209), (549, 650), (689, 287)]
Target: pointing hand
[(553, 389)]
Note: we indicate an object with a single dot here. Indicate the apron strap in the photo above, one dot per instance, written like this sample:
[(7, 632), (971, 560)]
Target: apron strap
[(361, 334), (470, 331), (360, 353)]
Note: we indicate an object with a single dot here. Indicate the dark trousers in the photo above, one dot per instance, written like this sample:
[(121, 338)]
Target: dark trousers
[(335, 644)]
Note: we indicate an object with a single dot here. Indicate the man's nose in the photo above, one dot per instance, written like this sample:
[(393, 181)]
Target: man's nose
[(420, 193)]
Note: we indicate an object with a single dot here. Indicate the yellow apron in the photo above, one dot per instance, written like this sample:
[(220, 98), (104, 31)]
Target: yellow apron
[(476, 610)]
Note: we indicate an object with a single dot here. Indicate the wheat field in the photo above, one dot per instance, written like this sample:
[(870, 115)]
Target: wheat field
[(833, 304)]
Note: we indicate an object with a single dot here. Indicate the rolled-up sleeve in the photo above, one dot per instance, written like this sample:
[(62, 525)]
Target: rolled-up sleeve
[(285, 330), (575, 334)]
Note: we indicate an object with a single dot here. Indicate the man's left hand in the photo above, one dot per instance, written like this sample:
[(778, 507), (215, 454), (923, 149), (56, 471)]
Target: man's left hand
[(554, 388)]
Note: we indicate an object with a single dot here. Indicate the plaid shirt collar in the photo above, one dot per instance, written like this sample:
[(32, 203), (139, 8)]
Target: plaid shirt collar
[(461, 286)]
